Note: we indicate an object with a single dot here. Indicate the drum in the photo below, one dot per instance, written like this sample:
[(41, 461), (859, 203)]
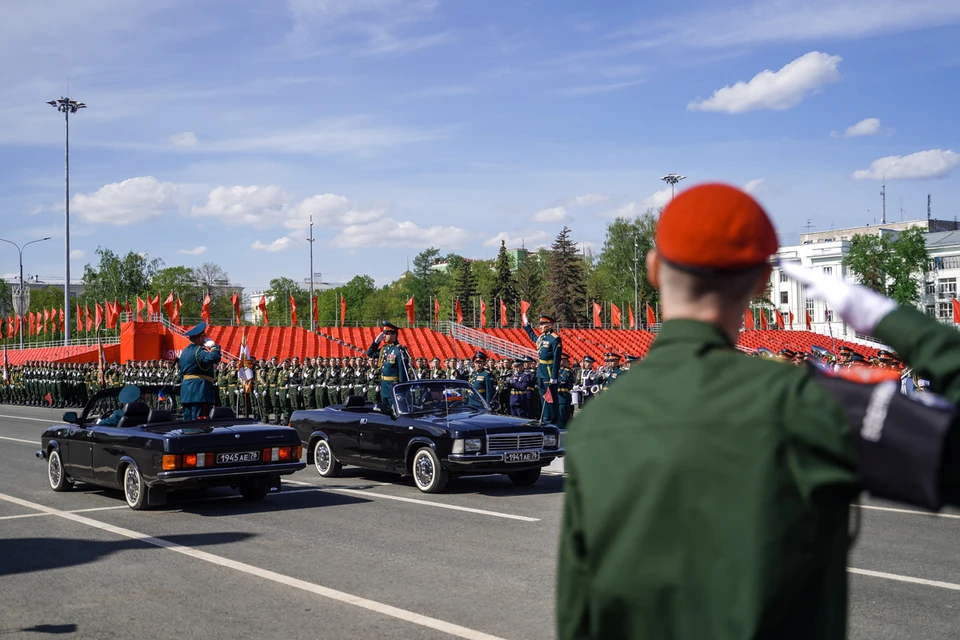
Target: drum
[(575, 396)]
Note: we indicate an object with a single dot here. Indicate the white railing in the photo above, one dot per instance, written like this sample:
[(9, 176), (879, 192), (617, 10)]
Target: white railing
[(485, 341)]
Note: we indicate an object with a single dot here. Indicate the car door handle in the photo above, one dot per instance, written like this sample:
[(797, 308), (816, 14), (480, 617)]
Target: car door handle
[(363, 421)]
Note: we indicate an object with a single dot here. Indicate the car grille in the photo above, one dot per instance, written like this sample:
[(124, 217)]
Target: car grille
[(515, 442)]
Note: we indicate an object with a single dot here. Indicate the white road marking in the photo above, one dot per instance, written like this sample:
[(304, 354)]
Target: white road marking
[(893, 576), (910, 511), (24, 515), (19, 440), (48, 420), (326, 592), (37, 515)]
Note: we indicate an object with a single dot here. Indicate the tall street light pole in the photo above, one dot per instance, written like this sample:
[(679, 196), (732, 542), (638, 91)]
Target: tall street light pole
[(20, 297), (66, 106), (672, 179), (636, 286), (310, 240)]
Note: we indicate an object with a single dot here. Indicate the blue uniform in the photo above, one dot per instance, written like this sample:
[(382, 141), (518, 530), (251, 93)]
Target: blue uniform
[(518, 383), (197, 391), (549, 350), (392, 360), (564, 384), (482, 381)]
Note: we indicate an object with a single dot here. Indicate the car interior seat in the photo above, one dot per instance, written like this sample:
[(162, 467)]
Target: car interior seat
[(135, 414)]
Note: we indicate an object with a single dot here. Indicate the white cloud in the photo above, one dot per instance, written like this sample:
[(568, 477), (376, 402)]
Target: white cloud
[(125, 203), (587, 199), (185, 139), (280, 244), (196, 251), (753, 187), (934, 163), (867, 127), (253, 205), (657, 200), (77, 254), (329, 210), (775, 89), (555, 214), (529, 239), (387, 232)]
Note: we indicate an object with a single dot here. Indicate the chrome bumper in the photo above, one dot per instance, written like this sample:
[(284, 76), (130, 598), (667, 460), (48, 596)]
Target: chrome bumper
[(486, 458)]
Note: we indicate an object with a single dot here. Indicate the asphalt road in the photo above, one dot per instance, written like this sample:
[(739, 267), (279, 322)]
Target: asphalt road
[(362, 556)]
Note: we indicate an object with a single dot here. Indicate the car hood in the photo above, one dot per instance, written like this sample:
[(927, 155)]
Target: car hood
[(482, 422)]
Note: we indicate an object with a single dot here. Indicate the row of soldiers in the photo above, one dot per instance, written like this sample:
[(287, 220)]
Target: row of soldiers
[(70, 384)]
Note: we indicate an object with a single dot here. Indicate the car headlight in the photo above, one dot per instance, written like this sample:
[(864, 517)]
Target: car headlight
[(458, 445), (472, 444), (550, 440)]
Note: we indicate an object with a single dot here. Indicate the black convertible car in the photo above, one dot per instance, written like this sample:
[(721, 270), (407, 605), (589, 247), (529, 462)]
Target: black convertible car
[(432, 430), (152, 451)]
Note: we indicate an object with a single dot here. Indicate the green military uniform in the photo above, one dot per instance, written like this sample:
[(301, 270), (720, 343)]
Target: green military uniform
[(549, 349), (222, 385), (283, 383), (565, 382)]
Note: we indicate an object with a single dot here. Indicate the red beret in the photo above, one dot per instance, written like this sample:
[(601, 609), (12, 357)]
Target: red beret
[(715, 227)]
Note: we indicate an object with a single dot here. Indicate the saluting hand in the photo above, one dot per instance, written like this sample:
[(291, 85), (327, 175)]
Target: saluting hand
[(209, 344)]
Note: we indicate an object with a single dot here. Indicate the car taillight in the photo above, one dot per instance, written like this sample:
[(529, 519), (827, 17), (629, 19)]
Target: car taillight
[(170, 462), (297, 452), (279, 454), (197, 460)]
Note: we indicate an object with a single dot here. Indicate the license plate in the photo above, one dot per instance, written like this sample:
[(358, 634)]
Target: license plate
[(243, 456), (522, 456)]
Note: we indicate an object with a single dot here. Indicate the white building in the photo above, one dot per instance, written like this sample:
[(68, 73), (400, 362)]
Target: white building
[(940, 287), (788, 296)]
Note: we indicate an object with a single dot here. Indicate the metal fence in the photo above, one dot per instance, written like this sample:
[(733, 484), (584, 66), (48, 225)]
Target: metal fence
[(485, 341)]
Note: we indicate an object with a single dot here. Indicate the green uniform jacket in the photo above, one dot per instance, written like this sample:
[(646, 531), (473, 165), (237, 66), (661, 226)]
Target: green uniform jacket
[(708, 493)]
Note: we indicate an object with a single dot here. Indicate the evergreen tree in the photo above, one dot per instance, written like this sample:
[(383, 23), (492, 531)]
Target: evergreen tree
[(529, 284), (566, 281), (464, 286), (505, 286)]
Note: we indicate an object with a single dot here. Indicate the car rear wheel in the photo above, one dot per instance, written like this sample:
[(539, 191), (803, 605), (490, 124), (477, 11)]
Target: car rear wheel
[(524, 478), (428, 474), (55, 473), (134, 488), (323, 459)]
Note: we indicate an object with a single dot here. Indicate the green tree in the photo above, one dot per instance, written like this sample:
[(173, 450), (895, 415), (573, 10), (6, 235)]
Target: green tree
[(6, 298), (464, 286), (120, 278), (210, 277), (530, 283), (626, 238), (505, 284), (278, 302), (566, 295), (180, 280), (894, 266), (425, 282)]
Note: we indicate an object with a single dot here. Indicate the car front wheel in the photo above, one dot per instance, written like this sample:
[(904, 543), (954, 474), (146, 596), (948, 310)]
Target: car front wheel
[(323, 459), (55, 473), (524, 478), (428, 474), (134, 488)]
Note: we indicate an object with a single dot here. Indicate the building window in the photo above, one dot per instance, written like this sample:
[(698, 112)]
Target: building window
[(948, 287), (945, 310), (931, 310), (828, 316), (950, 262), (931, 288), (784, 297), (783, 276), (828, 271)]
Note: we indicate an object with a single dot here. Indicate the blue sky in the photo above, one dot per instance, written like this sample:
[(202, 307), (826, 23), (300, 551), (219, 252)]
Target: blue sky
[(216, 127)]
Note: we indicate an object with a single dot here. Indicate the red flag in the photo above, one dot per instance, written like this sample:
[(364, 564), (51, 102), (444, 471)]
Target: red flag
[(176, 311), (956, 311), (503, 313), (46, 319), (779, 317), (547, 396), (343, 311), (459, 312), (235, 299), (10, 327), (49, 399), (436, 309), (764, 325), (524, 307), (615, 315), (79, 319), (33, 324), (316, 312), (141, 305), (170, 306), (748, 322), (631, 320), (18, 321), (205, 309), (651, 316), (483, 313), (596, 316), (110, 322), (807, 313), (411, 310), (263, 310), (791, 321), (61, 320), (293, 311), (128, 310), (98, 317), (88, 318), (153, 305)]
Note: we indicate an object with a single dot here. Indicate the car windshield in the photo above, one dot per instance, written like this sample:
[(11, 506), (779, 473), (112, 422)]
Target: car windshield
[(446, 396), (106, 402)]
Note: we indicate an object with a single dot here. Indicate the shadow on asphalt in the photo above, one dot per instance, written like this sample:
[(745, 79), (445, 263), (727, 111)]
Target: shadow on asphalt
[(492, 485), (29, 555), (52, 629)]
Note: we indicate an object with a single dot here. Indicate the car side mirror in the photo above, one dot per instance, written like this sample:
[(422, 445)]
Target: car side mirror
[(70, 416)]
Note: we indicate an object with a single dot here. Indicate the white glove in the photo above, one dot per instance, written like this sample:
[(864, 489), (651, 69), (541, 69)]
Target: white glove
[(209, 344), (858, 306), (379, 338)]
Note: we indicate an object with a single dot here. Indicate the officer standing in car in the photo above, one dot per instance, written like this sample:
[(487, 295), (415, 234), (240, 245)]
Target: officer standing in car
[(392, 360), (707, 493), (198, 363), (480, 379)]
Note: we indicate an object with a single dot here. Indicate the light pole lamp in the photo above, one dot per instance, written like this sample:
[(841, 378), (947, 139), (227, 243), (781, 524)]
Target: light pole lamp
[(672, 179), (310, 240), (20, 310), (66, 106), (636, 285)]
